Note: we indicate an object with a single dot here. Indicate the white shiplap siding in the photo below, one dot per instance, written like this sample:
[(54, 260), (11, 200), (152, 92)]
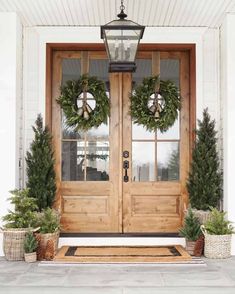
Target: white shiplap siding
[(177, 13)]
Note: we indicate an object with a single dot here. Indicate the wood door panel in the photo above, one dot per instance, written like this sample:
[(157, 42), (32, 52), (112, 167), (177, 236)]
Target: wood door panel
[(95, 188), (161, 188), (91, 223), (153, 224), (85, 204), (151, 205)]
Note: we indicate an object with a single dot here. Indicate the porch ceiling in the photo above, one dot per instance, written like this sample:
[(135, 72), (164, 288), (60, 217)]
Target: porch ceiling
[(198, 13)]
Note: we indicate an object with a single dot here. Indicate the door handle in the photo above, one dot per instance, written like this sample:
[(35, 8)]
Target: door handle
[(126, 166)]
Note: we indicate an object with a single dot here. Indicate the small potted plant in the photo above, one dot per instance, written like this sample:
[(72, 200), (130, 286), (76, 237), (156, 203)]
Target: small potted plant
[(49, 223), (30, 246), (218, 235), (17, 223), (191, 231)]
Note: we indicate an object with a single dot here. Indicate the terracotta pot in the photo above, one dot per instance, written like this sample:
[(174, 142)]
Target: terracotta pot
[(43, 243), (30, 257), (199, 246), (190, 245)]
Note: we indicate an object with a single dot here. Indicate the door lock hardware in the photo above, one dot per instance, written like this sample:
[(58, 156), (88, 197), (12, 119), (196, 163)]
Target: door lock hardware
[(126, 166), (125, 154)]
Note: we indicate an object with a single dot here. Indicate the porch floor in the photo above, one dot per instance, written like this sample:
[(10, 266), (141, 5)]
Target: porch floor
[(21, 278)]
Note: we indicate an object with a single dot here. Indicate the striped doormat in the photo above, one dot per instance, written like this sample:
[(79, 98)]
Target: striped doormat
[(122, 254)]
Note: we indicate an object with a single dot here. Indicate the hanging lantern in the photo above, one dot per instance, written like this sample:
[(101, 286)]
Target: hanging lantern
[(121, 38)]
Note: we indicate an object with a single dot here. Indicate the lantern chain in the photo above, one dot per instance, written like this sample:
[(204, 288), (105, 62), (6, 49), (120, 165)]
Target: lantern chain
[(122, 7)]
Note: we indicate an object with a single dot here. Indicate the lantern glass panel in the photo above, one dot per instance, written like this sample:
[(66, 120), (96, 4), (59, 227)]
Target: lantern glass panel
[(122, 44)]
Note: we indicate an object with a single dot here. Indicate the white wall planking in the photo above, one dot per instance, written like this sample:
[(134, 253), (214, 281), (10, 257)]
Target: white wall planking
[(227, 96), (206, 13), (211, 65), (10, 93)]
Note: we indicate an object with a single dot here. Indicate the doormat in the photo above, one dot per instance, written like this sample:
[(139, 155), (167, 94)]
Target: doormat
[(122, 254)]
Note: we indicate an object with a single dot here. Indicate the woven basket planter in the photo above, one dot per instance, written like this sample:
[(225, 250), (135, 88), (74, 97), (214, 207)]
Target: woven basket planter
[(13, 243), (30, 257), (43, 242), (217, 246)]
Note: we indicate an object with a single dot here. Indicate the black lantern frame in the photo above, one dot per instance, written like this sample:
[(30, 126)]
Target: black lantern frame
[(121, 38)]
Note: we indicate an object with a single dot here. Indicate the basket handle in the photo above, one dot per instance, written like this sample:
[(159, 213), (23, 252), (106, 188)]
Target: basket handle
[(33, 230), (203, 229)]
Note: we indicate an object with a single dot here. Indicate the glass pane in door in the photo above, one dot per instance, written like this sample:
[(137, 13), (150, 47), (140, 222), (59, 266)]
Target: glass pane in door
[(168, 161), (168, 143), (85, 155), (155, 155), (143, 168)]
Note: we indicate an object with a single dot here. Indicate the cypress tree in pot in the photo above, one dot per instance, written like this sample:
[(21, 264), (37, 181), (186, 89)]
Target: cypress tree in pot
[(204, 183), (40, 166), (191, 231)]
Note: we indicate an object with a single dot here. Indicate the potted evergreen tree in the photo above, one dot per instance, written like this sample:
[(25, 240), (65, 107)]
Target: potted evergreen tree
[(30, 246), (218, 235), (204, 183), (42, 185), (40, 167), (191, 231), (17, 223), (49, 223)]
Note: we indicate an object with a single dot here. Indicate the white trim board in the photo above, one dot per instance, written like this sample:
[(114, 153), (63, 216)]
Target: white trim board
[(116, 241)]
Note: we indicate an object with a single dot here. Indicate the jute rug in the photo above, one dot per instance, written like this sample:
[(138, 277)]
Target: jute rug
[(122, 254)]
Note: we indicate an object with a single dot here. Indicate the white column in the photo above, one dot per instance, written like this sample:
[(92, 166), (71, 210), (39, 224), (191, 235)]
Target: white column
[(10, 95), (228, 110)]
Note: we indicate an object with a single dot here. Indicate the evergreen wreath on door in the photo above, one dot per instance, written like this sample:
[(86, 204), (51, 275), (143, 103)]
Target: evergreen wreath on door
[(155, 104), (84, 117)]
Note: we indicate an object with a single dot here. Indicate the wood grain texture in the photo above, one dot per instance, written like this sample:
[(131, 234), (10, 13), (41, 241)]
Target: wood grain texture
[(184, 128), (86, 205), (56, 124), (151, 205)]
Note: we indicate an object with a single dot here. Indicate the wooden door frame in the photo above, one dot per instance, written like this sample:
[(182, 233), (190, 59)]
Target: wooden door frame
[(145, 50)]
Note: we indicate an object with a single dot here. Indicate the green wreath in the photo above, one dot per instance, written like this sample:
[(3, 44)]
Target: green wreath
[(163, 112), (84, 117)]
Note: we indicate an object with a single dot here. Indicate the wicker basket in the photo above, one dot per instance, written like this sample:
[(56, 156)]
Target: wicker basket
[(13, 243), (217, 246)]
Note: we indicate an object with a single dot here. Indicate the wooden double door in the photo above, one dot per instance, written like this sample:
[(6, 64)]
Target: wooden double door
[(93, 194)]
